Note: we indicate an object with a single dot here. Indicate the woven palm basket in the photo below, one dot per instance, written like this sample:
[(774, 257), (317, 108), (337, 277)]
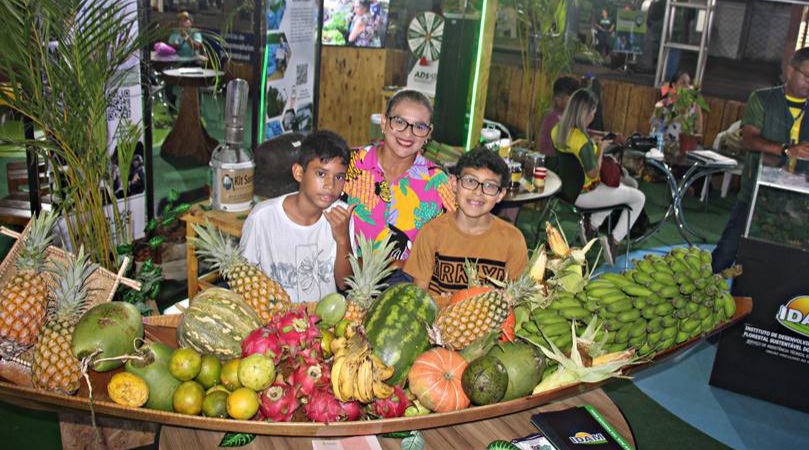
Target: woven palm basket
[(101, 288)]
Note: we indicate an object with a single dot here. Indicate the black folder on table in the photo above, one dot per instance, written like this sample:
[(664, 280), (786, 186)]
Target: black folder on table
[(580, 428)]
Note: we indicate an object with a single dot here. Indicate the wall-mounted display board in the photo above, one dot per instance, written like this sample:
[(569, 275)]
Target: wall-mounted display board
[(288, 96)]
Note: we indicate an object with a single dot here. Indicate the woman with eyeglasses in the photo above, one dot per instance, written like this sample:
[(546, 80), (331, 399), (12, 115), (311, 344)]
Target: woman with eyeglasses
[(570, 136), (396, 189)]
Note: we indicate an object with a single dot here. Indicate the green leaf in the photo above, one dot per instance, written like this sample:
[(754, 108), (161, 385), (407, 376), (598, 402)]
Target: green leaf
[(181, 209), (124, 249), (236, 439), (150, 226), (397, 434), (172, 196), (413, 442), (156, 241)]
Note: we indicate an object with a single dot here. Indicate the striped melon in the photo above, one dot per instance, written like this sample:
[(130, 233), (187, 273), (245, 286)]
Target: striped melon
[(396, 327), (216, 322)]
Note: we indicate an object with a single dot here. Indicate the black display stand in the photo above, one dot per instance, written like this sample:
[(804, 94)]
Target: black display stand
[(761, 357)]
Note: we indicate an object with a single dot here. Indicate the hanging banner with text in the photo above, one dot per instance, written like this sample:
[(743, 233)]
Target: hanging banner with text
[(767, 355), (290, 60)]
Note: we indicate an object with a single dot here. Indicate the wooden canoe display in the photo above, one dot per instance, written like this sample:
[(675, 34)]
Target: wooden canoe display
[(15, 389)]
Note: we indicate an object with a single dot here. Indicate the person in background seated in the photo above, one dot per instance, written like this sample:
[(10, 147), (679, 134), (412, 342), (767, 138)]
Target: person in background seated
[(186, 39), (775, 127), (496, 247), (570, 136), (303, 239), (396, 189), (563, 88)]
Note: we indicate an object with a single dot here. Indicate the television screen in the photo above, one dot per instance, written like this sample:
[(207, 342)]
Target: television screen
[(355, 23)]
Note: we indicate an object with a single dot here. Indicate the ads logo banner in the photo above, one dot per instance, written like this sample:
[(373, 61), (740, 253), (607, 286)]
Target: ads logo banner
[(795, 315)]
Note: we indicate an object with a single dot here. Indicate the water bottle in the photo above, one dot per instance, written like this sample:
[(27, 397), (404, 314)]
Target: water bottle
[(660, 135)]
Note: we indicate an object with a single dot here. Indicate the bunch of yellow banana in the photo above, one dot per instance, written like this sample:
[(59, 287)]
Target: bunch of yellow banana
[(356, 373)]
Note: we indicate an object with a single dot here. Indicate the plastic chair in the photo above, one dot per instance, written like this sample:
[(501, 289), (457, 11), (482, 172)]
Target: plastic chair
[(572, 175)]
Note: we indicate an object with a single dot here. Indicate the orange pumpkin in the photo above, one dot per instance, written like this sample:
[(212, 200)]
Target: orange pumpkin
[(435, 379), (507, 329)]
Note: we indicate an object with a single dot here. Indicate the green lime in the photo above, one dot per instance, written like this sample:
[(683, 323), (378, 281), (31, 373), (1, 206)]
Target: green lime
[(229, 376), (243, 404), (185, 364), (209, 371), (215, 404), (188, 398)]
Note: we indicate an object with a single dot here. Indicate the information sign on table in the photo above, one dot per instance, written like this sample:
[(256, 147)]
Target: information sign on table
[(767, 354)]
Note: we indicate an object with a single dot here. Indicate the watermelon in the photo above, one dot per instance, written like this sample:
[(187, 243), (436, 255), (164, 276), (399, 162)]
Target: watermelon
[(396, 327), (216, 322)]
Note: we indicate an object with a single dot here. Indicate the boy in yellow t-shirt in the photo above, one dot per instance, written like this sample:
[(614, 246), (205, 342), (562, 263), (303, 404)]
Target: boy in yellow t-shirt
[(471, 232)]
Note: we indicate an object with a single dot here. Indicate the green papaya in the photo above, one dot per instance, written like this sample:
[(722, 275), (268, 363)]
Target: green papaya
[(153, 367)]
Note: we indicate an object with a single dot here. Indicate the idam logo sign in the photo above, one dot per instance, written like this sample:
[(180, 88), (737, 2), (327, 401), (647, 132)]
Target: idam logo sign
[(795, 315), (582, 437)]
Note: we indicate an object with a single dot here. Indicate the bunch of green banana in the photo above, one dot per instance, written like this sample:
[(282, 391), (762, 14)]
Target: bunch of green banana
[(356, 373), (661, 302), (553, 324)]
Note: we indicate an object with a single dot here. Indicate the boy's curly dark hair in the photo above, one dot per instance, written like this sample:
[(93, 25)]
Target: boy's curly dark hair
[(325, 145), (483, 158)]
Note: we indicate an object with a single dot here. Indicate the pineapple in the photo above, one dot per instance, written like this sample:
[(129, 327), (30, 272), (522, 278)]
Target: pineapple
[(54, 367), (261, 292), (462, 323), (365, 284), (24, 299)]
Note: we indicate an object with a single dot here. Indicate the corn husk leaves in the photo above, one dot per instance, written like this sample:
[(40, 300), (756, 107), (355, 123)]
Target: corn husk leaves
[(586, 362), (568, 264)]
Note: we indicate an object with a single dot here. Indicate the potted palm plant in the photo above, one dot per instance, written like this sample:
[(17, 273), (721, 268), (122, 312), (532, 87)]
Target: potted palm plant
[(63, 60)]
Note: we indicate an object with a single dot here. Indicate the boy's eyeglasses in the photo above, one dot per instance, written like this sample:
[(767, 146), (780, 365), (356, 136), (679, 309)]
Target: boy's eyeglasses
[(420, 129), (471, 184)]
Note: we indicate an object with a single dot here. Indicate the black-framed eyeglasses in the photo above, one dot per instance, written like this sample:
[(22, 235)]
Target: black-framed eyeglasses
[(398, 124), (471, 184)]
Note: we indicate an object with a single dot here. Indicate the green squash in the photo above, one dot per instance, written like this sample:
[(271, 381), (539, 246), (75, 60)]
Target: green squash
[(154, 369), (216, 322)]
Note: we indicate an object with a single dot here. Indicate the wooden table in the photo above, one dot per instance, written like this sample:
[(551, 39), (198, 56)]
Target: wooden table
[(229, 223), (189, 137), (473, 435)]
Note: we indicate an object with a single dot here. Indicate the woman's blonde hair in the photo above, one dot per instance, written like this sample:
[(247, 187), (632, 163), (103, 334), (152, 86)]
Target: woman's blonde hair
[(581, 104)]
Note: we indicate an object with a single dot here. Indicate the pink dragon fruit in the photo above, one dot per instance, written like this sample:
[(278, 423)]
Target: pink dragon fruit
[(393, 406), (322, 406), (310, 376), (262, 340), (297, 330), (279, 402)]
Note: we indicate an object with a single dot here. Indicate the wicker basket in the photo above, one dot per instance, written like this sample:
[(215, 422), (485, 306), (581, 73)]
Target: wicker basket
[(101, 288)]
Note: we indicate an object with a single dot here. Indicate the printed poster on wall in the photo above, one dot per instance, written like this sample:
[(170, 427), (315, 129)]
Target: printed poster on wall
[(630, 31), (290, 59)]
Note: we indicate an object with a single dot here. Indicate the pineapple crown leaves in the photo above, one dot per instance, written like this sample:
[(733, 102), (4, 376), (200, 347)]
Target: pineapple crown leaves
[(212, 246), (369, 267), (71, 291), (471, 270), (33, 253)]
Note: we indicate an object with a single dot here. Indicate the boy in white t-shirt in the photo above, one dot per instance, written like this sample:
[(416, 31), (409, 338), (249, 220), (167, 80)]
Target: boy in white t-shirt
[(302, 239)]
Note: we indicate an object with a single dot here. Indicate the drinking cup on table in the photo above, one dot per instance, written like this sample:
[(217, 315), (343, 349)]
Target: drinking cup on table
[(539, 178)]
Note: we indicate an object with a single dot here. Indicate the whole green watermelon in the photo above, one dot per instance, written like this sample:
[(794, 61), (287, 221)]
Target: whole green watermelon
[(396, 327)]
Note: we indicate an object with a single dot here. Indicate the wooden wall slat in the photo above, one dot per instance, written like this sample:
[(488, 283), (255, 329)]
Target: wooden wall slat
[(621, 109), (713, 120)]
